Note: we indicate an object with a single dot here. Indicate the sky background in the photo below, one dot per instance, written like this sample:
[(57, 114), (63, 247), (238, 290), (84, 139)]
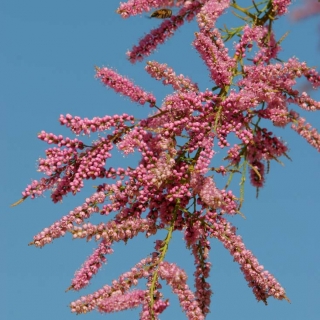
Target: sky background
[(49, 50)]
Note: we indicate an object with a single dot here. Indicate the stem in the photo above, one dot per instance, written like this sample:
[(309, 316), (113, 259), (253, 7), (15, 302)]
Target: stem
[(163, 252)]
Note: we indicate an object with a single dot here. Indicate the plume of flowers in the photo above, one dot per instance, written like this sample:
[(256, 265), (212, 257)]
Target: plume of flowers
[(174, 186)]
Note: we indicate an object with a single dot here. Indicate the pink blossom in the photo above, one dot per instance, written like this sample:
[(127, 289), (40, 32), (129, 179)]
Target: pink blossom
[(176, 278), (78, 125), (66, 168), (91, 266), (210, 12), (262, 282), (174, 187), (203, 292), (159, 71), (306, 102), (307, 132), (208, 192), (119, 287), (215, 56), (265, 40), (119, 302), (133, 7), (159, 35), (112, 231), (281, 6), (66, 223), (124, 86), (257, 174)]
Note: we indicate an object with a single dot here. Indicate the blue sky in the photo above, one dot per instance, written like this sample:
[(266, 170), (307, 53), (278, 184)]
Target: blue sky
[(49, 49)]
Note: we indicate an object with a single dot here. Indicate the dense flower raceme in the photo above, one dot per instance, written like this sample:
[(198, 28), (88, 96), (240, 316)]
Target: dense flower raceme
[(200, 251), (173, 187), (262, 282), (166, 29), (211, 10), (264, 39), (216, 57), (133, 7), (166, 180), (67, 168), (124, 86), (207, 12), (179, 83), (117, 297), (91, 266)]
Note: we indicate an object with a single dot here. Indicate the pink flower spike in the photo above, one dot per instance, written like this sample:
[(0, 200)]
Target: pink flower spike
[(210, 12), (91, 267), (119, 288), (306, 131), (123, 85), (177, 279), (215, 56), (263, 284), (159, 35), (134, 7), (180, 83), (281, 6), (119, 302), (67, 223), (85, 126)]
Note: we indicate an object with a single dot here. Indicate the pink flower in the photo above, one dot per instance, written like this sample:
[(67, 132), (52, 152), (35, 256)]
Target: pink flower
[(124, 86), (78, 125), (215, 56), (210, 12), (159, 71), (159, 35), (91, 266), (119, 302), (307, 132), (174, 186), (265, 40), (262, 282), (281, 6), (176, 278), (134, 7)]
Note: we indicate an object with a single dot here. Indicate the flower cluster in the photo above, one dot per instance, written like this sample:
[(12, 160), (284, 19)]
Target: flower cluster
[(262, 282), (124, 86), (174, 187), (167, 28), (159, 71), (133, 7), (91, 266), (85, 126), (215, 56)]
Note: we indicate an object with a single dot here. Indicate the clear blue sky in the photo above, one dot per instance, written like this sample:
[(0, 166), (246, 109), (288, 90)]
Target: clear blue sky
[(47, 58)]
